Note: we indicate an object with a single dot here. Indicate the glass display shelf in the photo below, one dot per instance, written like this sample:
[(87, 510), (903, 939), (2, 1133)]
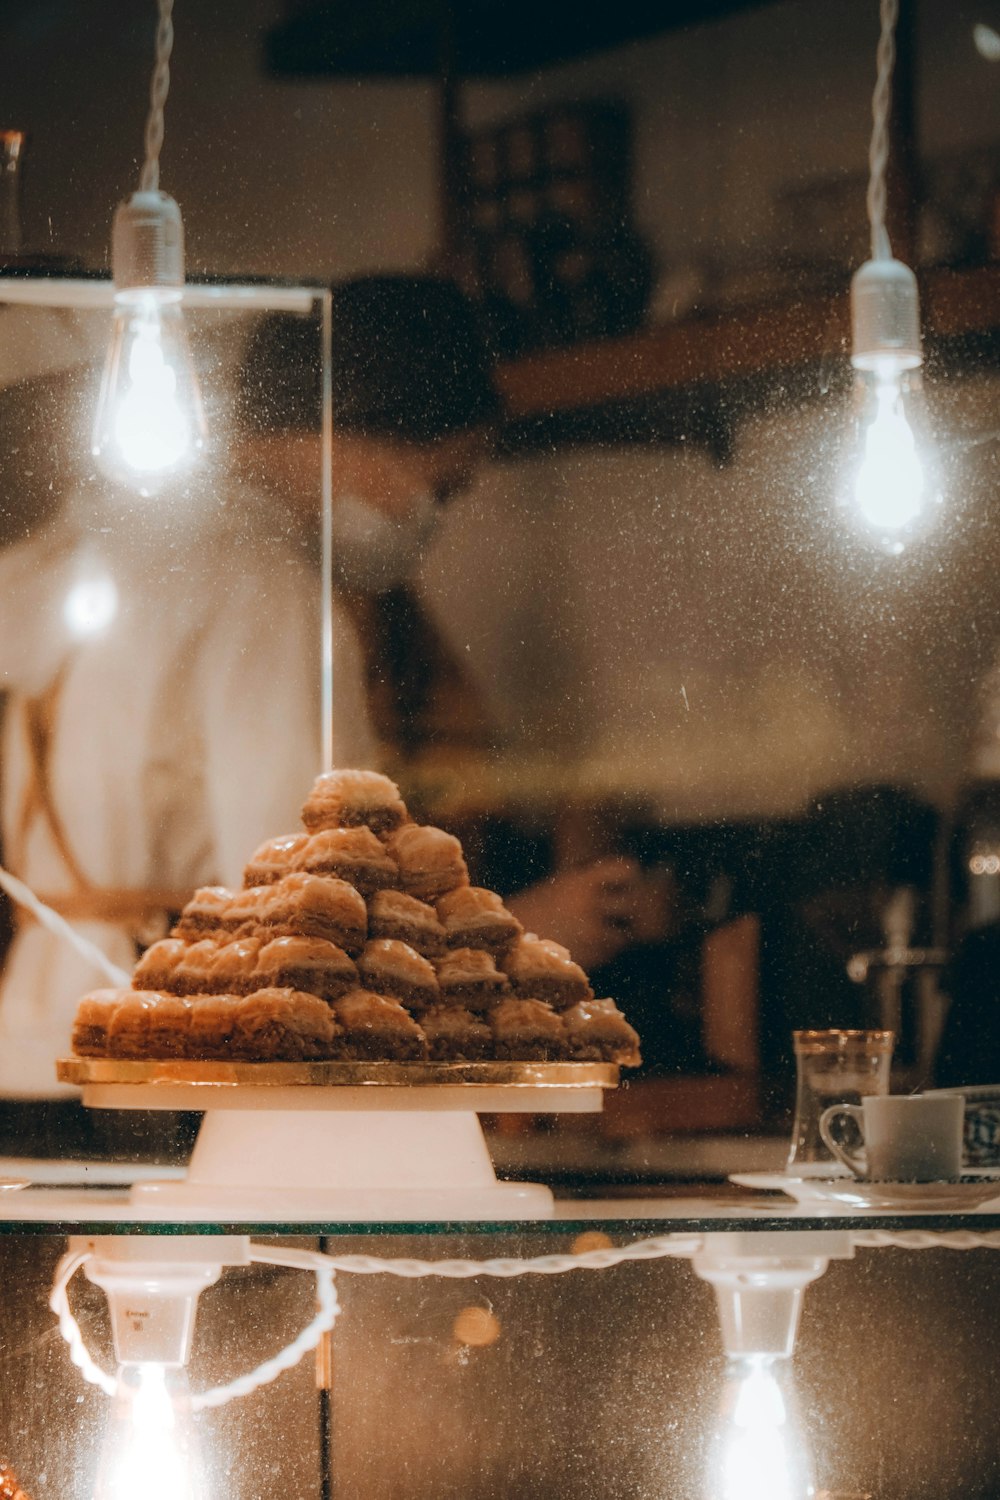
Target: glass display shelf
[(54, 1210)]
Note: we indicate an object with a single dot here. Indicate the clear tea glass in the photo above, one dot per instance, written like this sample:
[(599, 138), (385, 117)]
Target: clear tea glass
[(832, 1067)]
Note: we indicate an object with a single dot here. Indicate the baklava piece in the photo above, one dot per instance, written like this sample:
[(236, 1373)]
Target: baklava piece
[(390, 967), (527, 1031), (282, 1025), (246, 910), (454, 1034), (540, 969), (394, 914), (207, 911), (210, 1034), (158, 965), (149, 1024), (596, 1031), (191, 976), (231, 971), (315, 906), (310, 964), (352, 854), (469, 976), (430, 861), (352, 799), (274, 859), (477, 918), (92, 1020), (377, 1028)]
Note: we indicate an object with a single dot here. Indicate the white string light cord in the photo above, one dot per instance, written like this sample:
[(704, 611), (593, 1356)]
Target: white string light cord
[(878, 153), (303, 1260), (149, 177), (927, 1239), (325, 1268), (601, 1258)]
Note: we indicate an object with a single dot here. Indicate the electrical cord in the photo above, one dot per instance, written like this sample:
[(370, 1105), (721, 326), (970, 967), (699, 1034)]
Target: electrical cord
[(149, 177), (878, 153)]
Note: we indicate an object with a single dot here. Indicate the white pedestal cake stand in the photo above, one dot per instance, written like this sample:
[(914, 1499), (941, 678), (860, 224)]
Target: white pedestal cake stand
[(343, 1141)]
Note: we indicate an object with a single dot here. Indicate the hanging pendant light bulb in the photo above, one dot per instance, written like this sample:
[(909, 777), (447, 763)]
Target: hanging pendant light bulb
[(149, 426), (891, 481)]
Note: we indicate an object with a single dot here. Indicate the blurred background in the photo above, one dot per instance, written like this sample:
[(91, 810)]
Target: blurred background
[(647, 630)]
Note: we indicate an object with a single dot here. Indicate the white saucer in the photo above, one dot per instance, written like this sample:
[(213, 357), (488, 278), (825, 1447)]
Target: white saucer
[(968, 1191)]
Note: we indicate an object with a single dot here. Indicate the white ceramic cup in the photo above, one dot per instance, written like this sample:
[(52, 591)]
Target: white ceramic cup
[(907, 1137)]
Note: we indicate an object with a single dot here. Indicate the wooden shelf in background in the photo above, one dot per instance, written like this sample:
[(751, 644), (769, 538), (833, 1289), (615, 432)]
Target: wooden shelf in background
[(726, 346)]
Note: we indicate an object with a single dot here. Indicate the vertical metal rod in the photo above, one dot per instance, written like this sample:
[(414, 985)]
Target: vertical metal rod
[(326, 535)]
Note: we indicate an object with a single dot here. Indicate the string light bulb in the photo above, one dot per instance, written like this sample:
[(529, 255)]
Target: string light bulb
[(890, 476), (151, 1446), (149, 426), (758, 1449)]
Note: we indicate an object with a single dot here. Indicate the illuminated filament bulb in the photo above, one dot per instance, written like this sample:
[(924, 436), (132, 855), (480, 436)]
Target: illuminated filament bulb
[(889, 479), (758, 1450), (150, 1447), (149, 426), (889, 487)]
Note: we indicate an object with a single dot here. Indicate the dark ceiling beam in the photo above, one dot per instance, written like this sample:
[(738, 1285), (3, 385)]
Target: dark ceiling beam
[(490, 38)]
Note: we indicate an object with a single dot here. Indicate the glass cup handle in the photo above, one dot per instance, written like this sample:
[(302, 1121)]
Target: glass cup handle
[(853, 1163)]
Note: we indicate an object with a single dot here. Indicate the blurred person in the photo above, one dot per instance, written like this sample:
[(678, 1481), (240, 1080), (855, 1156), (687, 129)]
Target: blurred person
[(415, 411)]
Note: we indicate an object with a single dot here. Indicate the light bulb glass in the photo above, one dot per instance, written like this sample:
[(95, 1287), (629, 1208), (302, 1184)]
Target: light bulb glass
[(890, 476), (758, 1451), (149, 425), (150, 1449)]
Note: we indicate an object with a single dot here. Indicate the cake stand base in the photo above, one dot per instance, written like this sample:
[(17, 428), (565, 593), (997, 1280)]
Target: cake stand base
[(343, 1142), (370, 1165)]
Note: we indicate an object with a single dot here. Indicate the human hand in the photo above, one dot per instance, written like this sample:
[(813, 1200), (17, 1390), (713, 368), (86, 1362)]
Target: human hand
[(595, 911)]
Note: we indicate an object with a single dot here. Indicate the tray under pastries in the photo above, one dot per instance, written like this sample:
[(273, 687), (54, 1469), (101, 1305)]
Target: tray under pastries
[(170, 1070)]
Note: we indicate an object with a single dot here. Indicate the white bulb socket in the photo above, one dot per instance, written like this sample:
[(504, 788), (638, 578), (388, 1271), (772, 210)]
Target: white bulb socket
[(759, 1289), (152, 1285), (885, 316), (147, 247)]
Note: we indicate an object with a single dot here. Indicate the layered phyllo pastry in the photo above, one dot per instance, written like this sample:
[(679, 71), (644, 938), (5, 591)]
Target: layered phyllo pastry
[(314, 965), (430, 861), (469, 976), (352, 854), (390, 967), (353, 799), (394, 914), (596, 1031), (274, 859), (539, 969), (527, 1030), (455, 1034), (378, 1028), (477, 918)]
